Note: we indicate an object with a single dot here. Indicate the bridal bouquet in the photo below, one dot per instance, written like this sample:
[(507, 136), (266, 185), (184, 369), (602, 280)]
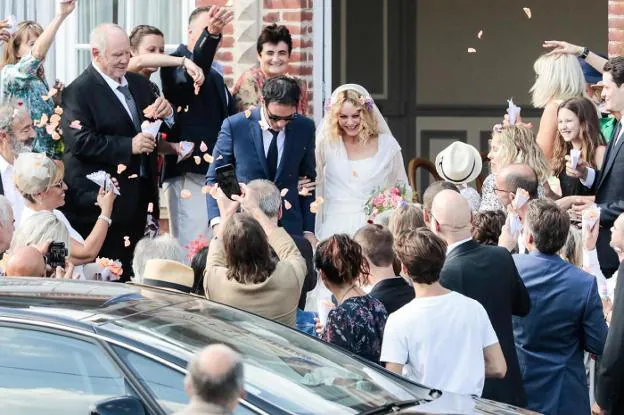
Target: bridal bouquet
[(385, 199), (111, 269)]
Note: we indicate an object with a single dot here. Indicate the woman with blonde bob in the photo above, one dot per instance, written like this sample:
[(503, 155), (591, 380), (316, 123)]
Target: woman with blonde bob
[(356, 155), (559, 77), (510, 145)]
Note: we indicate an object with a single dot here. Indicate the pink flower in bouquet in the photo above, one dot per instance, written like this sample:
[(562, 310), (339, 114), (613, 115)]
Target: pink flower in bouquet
[(388, 203), (396, 199), (395, 191), (113, 266), (379, 200)]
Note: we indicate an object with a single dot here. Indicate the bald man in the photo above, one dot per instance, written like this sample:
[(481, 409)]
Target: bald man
[(214, 381), (26, 262), (512, 178), (486, 274)]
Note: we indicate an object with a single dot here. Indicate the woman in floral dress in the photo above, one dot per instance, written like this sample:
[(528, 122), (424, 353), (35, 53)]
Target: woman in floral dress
[(23, 77)]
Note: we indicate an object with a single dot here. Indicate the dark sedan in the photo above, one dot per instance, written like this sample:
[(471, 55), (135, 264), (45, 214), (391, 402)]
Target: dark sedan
[(67, 345)]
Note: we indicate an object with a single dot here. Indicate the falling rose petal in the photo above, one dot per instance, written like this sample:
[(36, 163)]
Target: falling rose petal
[(304, 192), (283, 192), (197, 160), (126, 242), (472, 50), (527, 11), (50, 128), (480, 34), (206, 189), (203, 147), (44, 120), (179, 109), (186, 109), (208, 158), (354, 173), (287, 205), (58, 110), (133, 176), (314, 206), (185, 194), (150, 207), (75, 125), (56, 136), (55, 119), (220, 157), (121, 168)]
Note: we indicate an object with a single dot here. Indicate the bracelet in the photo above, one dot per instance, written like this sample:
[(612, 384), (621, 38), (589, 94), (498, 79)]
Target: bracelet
[(106, 219), (584, 53)]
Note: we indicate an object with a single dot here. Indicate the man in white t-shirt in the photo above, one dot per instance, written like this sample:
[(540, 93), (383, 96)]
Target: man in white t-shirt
[(441, 339)]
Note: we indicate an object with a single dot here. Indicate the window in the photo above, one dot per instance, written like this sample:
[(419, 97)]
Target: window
[(73, 56), (41, 372)]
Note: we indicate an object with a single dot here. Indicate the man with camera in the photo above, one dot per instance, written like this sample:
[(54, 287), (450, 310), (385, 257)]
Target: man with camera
[(46, 260)]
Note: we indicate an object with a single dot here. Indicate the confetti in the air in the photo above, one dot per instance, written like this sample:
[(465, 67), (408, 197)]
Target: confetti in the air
[(304, 191), (58, 110), (203, 147), (283, 192), (185, 194), (75, 125), (126, 241), (197, 160), (472, 50), (314, 206), (480, 34), (527, 11), (208, 158), (186, 109), (133, 176), (150, 207), (121, 168), (287, 205), (179, 109), (354, 173)]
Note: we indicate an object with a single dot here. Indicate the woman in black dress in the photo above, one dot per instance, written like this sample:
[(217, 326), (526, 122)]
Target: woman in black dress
[(578, 129)]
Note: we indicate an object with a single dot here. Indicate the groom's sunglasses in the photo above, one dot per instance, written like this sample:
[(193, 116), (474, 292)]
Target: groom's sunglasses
[(276, 118)]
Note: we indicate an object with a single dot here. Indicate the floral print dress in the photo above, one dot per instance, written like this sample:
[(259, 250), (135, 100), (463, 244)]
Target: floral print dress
[(357, 325), (24, 82), (248, 90)]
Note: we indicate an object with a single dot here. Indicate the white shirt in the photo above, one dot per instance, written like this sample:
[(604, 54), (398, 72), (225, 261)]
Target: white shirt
[(10, 191), (114, 85), (440, 340), (267, 137), (456, 244)]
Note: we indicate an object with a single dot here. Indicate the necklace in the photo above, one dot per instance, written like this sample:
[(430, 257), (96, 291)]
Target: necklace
[(345, 294)]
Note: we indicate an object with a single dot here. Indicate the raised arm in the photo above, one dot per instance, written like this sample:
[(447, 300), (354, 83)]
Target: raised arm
[(150, 60), (223, 153), (594, 60), (44, 41), (547, 132)]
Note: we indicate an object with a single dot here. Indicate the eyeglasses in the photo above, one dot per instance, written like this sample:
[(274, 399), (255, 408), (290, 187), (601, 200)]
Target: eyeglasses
[(276, 118), (496, 189)]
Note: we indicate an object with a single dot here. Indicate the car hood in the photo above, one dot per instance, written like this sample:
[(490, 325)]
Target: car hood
[(455, 404)]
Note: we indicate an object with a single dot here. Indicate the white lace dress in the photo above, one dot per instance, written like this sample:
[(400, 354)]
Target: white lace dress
[(346, 185)]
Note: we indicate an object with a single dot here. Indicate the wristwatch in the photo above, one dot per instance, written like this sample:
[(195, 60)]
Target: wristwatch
[(584, 53)]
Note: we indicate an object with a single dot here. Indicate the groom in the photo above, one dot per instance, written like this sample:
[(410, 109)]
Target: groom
[(271, 142)]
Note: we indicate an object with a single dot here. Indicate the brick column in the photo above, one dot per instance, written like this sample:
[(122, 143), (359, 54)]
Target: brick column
[(237, 51), (616, 27)]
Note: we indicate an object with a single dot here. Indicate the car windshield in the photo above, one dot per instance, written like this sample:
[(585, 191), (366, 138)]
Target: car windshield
[(288, 369)]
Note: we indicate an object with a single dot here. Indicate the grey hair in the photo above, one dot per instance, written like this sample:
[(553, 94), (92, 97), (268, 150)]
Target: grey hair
[(6, 212), (162, 247), (39, 228), (220, 389), (9, 112), (99, 36), (268, 195)]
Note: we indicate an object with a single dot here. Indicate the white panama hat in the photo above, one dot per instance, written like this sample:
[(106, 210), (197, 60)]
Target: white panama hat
[(459, 163)]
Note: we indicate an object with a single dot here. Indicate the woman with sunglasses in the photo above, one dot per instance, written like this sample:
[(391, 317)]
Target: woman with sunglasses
[(356, 156), (40, 182)]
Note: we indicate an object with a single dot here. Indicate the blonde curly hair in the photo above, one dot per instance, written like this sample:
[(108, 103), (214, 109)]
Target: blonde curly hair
[(368, 123), (517, 145)]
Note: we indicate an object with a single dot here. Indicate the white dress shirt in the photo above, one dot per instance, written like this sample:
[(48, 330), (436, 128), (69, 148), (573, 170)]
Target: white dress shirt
[(114, 85), (10, 191), (456, 244), (267, 137), (591, 173)]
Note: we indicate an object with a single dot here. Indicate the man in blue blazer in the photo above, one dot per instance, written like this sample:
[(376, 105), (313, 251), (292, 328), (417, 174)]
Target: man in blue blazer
[(565, 320), (271, 142)]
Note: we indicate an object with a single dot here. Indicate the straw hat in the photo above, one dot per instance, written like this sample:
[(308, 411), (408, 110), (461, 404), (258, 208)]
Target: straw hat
[(34, 173), (168, 274), (459, 163)]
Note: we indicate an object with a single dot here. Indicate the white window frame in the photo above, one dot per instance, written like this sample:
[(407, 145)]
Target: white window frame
[(67, 39)]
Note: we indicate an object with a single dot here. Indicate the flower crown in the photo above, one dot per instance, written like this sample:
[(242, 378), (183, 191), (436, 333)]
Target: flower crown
[(366, 102)]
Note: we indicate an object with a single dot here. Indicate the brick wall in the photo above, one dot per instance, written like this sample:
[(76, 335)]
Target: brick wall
[(616, 27), (237, 51)]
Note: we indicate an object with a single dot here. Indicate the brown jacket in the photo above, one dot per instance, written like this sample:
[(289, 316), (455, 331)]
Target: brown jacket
[(276, 298)]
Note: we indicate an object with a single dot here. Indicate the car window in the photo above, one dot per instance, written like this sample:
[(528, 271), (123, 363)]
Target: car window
[(46, 373), (165, 383)]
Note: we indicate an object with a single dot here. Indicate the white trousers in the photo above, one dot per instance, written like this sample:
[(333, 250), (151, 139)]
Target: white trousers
[(188, 218)]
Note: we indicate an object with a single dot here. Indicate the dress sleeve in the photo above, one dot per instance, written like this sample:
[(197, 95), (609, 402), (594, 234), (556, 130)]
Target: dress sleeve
[(398, 174), (320, 179), (335, 328), (28, 65), (489, 200), (246, 92)]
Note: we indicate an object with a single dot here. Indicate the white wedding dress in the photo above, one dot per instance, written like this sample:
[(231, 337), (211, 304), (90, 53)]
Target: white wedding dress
[(346, 185)]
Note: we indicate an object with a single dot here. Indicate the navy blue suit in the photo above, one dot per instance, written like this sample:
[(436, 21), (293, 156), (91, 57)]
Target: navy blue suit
[(240, 143), (565, 320)]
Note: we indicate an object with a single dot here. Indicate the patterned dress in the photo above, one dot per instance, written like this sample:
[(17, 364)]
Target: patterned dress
[(357, 325), (24, 81), (248, 90)]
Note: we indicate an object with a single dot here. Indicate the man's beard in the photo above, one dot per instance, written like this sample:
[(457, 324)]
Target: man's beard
[(19, 147)]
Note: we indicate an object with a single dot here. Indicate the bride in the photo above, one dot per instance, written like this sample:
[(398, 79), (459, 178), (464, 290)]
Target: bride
[(356, 155)]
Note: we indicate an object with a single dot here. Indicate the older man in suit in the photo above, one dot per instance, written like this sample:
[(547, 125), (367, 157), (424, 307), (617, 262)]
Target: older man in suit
[(607, 184), (488, 275), (566, 316), (610, 373), (198, 121), (271, 142), (103, 112)]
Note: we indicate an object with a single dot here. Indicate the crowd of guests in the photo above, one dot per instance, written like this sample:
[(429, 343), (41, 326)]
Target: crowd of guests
[(500, 292)]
